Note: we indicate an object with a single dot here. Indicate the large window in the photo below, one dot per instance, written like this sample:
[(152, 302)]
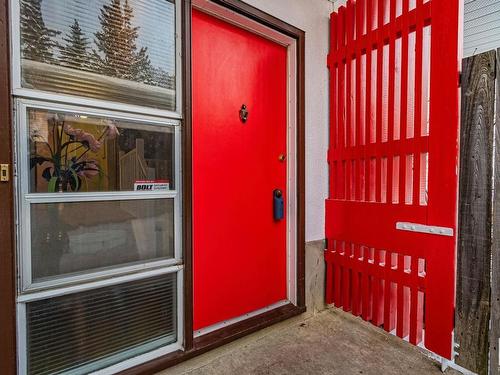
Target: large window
[(113, 50), (98, 131)]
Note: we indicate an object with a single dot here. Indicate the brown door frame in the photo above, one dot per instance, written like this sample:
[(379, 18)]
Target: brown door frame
[(192, 346), (7, 227), (225, 335)]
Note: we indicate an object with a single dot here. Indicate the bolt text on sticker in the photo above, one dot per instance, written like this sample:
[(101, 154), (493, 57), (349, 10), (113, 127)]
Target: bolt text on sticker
[(151, 185)]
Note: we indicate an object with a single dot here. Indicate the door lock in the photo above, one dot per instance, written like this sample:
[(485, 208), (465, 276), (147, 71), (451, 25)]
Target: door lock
[(243, 113), (4, 173), (278, 205)]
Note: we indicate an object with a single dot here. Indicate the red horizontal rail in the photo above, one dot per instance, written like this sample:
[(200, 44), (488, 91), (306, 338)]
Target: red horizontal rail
[(380, 270), (374, 224), (384, 149)]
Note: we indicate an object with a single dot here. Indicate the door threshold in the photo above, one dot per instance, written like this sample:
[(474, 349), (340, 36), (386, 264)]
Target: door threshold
[(244, 327), (229, 322)]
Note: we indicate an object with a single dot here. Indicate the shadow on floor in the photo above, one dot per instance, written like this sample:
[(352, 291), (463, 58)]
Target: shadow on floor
[(330, 342)]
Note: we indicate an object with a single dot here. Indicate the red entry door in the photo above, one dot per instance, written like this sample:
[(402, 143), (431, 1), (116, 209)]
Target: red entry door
[(392, 207), (239, 248)]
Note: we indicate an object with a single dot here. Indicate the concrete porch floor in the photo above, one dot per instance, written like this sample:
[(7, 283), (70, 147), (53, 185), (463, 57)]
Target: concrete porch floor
[(330, 342)]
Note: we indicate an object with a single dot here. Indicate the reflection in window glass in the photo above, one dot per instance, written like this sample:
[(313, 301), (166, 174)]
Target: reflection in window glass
[(70, 152), (117, 50), (69, 238)]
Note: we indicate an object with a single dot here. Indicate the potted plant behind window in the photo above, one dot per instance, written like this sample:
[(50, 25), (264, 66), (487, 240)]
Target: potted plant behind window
[(69, 154)]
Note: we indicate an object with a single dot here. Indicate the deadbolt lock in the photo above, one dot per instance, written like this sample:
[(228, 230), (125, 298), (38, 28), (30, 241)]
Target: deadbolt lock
[(4, 173), (282, 158), (243, 113)]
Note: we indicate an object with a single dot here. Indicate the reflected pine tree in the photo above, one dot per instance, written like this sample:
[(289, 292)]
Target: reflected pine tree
[(117, 54), (116, 50), (74, 53), (37, 39)]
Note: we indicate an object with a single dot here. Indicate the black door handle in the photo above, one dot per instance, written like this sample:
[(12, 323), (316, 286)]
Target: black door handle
[(278, 205)]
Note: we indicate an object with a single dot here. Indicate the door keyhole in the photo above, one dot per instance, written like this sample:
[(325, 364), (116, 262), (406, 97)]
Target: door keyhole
[(243, 113)]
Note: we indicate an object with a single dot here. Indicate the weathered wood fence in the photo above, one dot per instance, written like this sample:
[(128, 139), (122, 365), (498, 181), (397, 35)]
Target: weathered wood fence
[(477, 326)]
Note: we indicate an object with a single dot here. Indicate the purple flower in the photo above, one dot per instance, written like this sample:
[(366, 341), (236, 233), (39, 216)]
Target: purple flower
[(111, 130), (81, 136), (90, 169)]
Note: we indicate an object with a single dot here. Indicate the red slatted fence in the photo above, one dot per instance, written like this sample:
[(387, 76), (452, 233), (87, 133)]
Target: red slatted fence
[(393, 158)]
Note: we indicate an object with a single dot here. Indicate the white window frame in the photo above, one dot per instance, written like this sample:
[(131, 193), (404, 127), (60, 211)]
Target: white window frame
[(134, 361), (62, 285), (19, 91), (26, 199), (26, 290)]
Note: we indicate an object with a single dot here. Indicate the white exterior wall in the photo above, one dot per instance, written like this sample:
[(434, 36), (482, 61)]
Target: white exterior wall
[(312, 16), (481, 26)]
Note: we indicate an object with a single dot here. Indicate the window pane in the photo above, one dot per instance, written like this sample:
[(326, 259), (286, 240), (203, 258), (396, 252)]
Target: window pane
[(69, 238), (117, 50), (70, 152), (87, 331)]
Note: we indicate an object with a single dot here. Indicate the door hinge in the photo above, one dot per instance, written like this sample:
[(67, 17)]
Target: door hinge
[(4, 172), (422, 228)]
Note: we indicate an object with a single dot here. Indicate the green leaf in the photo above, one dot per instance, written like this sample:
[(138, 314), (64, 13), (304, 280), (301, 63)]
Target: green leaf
[(37, 160), (52, 184), (47, 173), (76, 179)]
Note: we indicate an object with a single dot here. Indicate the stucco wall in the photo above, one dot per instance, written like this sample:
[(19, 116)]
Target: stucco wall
[(312, 16)]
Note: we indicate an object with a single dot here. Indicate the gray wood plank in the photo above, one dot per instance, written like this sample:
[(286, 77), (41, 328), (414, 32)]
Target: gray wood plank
[(495, 250), (474, 238)]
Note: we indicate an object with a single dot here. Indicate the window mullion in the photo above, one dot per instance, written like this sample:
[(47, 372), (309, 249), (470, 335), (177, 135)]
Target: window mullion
[(97, 196)]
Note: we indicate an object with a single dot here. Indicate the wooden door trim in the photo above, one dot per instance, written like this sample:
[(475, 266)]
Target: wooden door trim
[(187, 175), (7, 229)]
